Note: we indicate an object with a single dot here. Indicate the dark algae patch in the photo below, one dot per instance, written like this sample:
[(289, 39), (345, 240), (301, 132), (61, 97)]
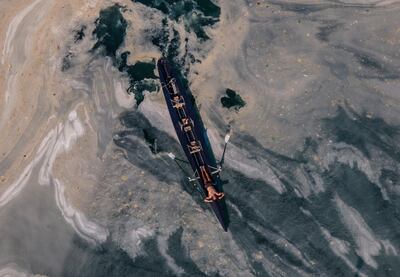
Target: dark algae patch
[(66, 62), (159, 5), (208, 8), (79, 34), (110, 32), (141, 76), (195, 14), (139, 70), (232, 100)]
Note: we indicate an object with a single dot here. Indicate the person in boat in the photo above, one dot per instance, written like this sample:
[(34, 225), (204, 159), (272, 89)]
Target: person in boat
[(194, 147), (212, 193), (178, 102)]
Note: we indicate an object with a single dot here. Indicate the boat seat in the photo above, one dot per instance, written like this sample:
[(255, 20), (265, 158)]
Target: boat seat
[(174, 86), (185, 121), (178, 102), (194, 147), (185, 124)]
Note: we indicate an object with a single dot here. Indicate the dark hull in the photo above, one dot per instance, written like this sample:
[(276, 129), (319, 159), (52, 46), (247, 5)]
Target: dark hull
[(218, 207)]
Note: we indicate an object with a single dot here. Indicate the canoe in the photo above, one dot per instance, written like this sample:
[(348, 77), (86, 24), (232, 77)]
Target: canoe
[(194, 141)]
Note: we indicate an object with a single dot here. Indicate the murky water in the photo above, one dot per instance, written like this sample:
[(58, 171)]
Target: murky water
[(311, 172)]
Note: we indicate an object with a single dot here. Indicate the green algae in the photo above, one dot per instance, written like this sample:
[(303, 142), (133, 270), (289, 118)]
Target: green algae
[(232, 100), (110, 32)]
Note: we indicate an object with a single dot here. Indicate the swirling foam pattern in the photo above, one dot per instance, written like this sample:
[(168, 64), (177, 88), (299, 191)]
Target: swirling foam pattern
[(311, 172)]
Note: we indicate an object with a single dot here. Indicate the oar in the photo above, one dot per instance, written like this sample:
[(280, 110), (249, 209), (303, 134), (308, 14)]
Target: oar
[(175, 159), (227, 137)]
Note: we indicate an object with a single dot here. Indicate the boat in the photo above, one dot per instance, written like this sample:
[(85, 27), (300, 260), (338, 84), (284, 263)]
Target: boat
[(193, 139)]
